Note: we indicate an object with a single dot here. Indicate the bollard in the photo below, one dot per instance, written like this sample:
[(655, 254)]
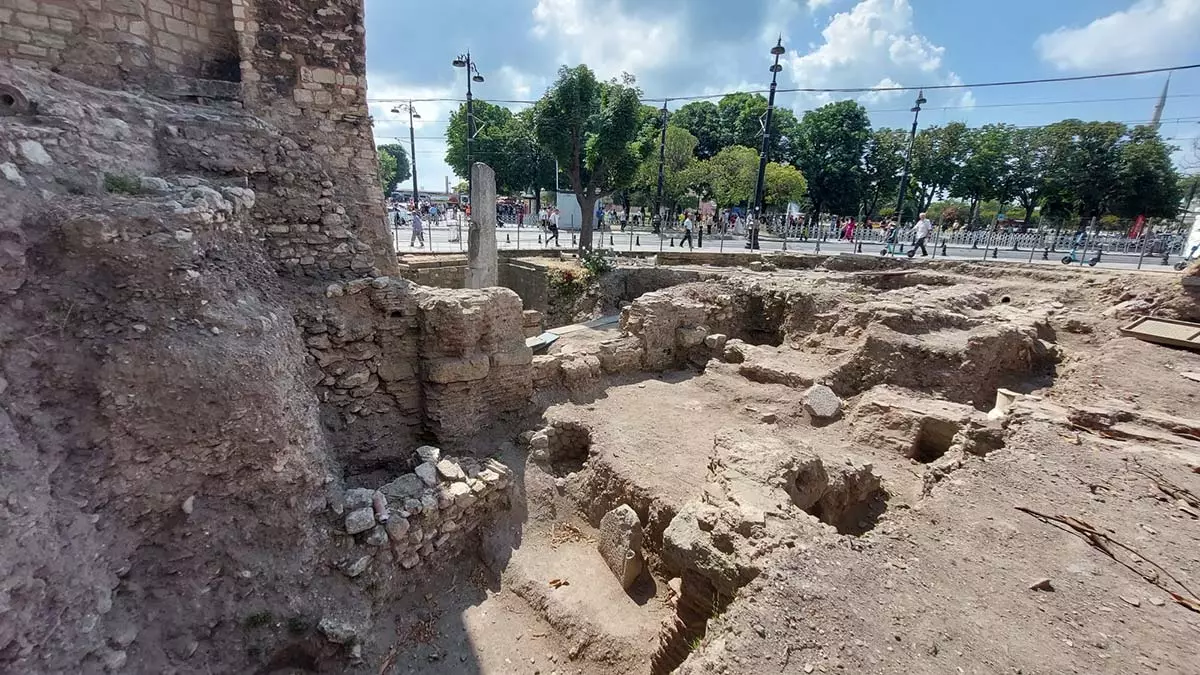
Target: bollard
[(902, 247), (639, 240), (1015, 245), (995, 252), (610, 240), (818, 247), (943, 248), (507, 239), (699, 237), (1045, 254), (672, 242), (539, 238), (573, 243), (858, 248)]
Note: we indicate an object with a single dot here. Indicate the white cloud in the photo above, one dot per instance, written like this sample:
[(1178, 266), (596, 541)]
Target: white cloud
[(1149, 33), (874, 41), (882, 92), (430, 129), (604, 36), (814, 5), (520, 84)]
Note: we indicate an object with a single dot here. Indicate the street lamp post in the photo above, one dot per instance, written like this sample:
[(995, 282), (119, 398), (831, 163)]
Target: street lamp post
[(464, 61), (778, 51), (912, 137), (412, 144), (662, 158)]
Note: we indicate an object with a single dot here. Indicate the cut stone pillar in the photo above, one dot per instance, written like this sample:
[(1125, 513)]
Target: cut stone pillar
[(481, 235)]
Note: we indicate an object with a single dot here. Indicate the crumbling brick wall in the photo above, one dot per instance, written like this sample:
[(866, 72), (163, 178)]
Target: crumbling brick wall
[(304, 69), (115, 43)]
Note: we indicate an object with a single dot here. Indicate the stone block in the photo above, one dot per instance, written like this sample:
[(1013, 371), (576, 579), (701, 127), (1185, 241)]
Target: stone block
[(690, 336), (482, 266), (518, 357), (408, 486), (620, 544), (715, 342), (821, 402), (450, 470), (427, 472), (428, 453), (467, 369), (360, 520)]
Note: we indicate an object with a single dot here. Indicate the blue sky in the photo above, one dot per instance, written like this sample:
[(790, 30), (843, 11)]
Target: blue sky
[(695, 47)]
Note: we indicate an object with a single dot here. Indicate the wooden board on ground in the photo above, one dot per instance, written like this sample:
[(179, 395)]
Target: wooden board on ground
[(1165, 331)]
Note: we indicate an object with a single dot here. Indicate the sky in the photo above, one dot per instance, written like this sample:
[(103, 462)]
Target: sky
[(679, 48)]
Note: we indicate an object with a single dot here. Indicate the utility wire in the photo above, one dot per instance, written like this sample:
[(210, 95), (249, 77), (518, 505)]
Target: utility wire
[(850, 90)]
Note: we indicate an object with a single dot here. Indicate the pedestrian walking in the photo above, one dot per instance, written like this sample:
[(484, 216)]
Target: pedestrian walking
[(553, 227), (687, 230), (418, 231), (922, 231)]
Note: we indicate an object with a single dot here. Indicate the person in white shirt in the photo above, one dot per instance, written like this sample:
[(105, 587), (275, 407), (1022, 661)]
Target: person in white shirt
[(922, 231), (553, 227), (687, 230)]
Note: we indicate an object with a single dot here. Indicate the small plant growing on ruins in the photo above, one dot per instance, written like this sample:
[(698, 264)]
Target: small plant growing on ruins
[(567, 282), (258, 619), (118, 183), (596, 263)]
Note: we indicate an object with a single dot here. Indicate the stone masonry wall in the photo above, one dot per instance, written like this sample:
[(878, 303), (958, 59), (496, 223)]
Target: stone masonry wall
[(304, 69), (400, 362), (419, 517), (123, 42)]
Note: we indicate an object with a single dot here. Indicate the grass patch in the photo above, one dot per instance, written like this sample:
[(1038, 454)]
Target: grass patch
[(123, 184)]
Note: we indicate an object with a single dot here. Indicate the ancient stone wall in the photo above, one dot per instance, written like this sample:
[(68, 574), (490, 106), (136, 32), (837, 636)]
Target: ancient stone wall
[(419, 517), (304, 69), (114, 43), (403, 362)]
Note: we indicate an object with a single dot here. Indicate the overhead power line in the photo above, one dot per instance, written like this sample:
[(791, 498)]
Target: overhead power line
[(846, 90)]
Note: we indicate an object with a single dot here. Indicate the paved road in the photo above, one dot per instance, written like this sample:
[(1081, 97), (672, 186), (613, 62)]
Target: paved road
[(444, 238)]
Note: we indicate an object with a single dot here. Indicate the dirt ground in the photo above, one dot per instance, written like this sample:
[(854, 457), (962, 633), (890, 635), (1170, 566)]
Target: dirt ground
[(950, 576)]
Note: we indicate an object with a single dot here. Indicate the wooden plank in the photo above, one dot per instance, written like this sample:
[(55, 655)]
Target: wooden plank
[(1165, 331)]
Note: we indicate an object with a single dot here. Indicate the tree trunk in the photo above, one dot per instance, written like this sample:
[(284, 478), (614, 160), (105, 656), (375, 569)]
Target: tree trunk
[(537, 204), (1028, 213), (588, 207)]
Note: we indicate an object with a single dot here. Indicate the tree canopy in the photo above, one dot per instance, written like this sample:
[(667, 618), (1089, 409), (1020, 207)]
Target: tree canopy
[(591, 128), (831, 142), (394, 167)]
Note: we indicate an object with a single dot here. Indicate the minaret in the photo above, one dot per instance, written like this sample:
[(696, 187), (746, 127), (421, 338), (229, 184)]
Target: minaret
[(1162, 102)]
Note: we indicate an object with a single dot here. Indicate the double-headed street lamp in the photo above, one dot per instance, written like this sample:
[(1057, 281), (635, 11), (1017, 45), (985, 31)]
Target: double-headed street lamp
[(912, 137), (777, 51), (412, 144), (464, 61)]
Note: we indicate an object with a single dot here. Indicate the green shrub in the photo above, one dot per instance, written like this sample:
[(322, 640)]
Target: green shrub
[(122, 184), (596, 263)]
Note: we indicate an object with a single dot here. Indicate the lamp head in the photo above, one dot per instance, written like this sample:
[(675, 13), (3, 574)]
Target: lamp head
[(477, 77), (775, 68), (460, 62), (778, 49)]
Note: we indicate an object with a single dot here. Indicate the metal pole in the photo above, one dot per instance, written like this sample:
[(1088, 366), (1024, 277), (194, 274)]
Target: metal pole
[(912, 138), (1142, 250), (470, 123), (412, 148), (764, 157), (1087, 239), (662, 159)]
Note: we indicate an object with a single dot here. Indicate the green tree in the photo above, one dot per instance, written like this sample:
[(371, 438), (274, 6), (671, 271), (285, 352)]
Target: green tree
[(741, 123), (591, 128), (729, 175), (1147, 183), (984, 173), (703, 120), (937, 154), (832, 141), (394, 168), (678, 157), (783, 184), (882, 164), (1082, 172), (491, 145), (1026, 176)]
